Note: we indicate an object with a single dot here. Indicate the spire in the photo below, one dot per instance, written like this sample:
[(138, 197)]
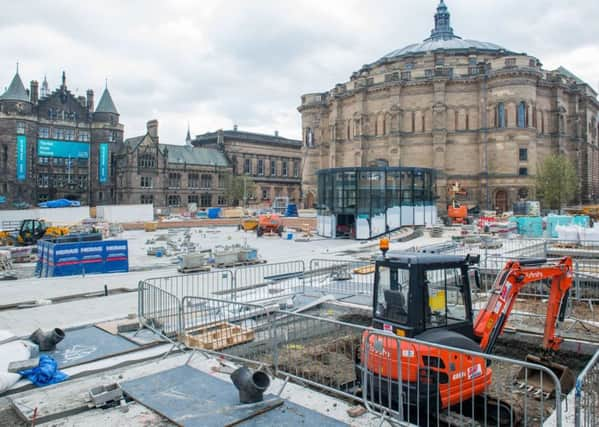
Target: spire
[(188, 137), (16, 90), (106, 104), (64, 79), (442, 30), (45, 91)]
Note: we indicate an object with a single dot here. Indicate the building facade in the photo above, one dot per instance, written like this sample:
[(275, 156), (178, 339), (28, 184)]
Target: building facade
[(166, 175), (274, 163), (479, 114), (56, 145)]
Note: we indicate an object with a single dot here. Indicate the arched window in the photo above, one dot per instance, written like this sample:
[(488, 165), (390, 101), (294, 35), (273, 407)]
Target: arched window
[(501, 115), (467, 121), (413, 121), (521, 122)]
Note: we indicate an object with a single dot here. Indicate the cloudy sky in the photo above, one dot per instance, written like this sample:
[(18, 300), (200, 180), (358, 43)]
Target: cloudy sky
[(216, 63)]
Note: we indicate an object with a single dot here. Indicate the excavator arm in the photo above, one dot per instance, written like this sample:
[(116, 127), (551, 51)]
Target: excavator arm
[(490, 322)]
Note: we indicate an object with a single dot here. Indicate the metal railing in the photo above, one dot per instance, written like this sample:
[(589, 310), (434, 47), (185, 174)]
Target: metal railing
[(586, 397), (408, 381), (309, 349), (342, 277), (261, 282), (160, 299), (416, 387)]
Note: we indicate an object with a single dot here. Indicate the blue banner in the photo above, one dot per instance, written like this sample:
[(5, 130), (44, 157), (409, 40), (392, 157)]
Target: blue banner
[(103, 163), (21, 157), (66, 149)]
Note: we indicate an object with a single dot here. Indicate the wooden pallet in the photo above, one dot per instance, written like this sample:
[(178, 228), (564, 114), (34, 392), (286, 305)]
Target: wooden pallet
[(217, 336)]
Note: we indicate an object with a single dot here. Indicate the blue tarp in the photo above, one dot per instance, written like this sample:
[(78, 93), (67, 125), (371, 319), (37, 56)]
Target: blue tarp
[(60, 203), (45, 373)]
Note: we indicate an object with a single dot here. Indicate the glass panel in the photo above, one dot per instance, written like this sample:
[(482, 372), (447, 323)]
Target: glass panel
[(407, 187), (349, 190), (364, 193), (392, 297), (445, 298), (393, 188), (378, 192)]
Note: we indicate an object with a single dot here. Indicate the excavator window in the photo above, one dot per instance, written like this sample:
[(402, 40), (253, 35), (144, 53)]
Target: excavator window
[(393, 293), (443, 289)]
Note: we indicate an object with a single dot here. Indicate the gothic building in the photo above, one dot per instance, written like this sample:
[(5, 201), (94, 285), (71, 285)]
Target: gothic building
[(479, 114), (167, 175), (54, 144)]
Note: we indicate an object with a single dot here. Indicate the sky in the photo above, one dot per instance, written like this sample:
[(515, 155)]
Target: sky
[(214, 64)]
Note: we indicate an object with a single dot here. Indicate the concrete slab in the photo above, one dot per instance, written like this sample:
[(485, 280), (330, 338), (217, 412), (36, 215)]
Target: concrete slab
[(190, 397), (87, 344)]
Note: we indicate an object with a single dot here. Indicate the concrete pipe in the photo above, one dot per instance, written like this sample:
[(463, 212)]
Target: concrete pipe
[(47, 341), (251, 386)]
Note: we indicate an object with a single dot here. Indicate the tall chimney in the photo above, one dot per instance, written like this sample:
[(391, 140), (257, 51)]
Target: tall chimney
[(90, 100), (34, 93), (152, 127)]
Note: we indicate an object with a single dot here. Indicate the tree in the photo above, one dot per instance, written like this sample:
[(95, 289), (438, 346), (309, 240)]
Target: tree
[(239, 189), (557, 182)]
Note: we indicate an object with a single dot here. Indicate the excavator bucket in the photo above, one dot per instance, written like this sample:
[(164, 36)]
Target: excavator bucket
[(539, 383)]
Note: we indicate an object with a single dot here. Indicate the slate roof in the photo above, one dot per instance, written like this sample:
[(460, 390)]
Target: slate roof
[(200, 156), (195, 155), (106, 105), (16, 90), (211, 137), (570, 75)]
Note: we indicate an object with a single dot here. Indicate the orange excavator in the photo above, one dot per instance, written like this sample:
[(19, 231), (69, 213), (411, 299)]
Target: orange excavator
[(427, 297)]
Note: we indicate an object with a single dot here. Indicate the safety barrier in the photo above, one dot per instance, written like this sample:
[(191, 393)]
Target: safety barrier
[(312, 350), (586, 397), (160, 299), (326, 354), (344, 277), (266, 281), (410, 384)]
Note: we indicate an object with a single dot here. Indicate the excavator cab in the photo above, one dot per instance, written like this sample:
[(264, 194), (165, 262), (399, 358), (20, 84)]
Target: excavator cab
[(414, 293)]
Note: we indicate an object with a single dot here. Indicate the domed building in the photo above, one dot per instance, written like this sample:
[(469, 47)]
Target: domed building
[(477, 113)]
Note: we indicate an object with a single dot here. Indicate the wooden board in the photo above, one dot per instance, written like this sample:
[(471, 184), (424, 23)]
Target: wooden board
[(217, 336), (367, 269), (112, 326)]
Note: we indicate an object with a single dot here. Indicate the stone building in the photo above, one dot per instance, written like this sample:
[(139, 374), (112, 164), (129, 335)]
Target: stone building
[(480, 114), (166, 175), (274, 163), (56, 145)]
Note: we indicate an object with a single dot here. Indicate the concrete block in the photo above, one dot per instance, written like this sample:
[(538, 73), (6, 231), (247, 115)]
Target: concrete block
[(20, 365)]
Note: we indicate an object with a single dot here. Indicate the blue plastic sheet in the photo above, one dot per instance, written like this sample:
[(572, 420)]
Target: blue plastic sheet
[(45, 373), (60, 203)]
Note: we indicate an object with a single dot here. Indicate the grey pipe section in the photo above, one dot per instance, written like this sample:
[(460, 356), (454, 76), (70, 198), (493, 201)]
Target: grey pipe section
[(251, 385), (47, 340)]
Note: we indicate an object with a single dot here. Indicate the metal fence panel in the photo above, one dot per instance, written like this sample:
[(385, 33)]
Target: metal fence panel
[(408, 380), (261, 282), (343, 277), (587, 395)]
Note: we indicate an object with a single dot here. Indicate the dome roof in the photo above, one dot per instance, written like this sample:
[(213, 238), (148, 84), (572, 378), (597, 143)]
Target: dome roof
[(453, 44), (442, 37)]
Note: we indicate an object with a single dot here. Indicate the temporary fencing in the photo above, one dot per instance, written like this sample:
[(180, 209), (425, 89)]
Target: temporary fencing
[(410, 381), (587, 395), (415, 386), (309, 349), (342, 277)]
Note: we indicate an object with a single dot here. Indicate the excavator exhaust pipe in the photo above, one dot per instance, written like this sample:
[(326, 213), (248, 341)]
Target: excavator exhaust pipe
[(538, 383)]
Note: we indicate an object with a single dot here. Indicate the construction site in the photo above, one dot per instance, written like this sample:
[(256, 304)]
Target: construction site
[(259, 320)]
